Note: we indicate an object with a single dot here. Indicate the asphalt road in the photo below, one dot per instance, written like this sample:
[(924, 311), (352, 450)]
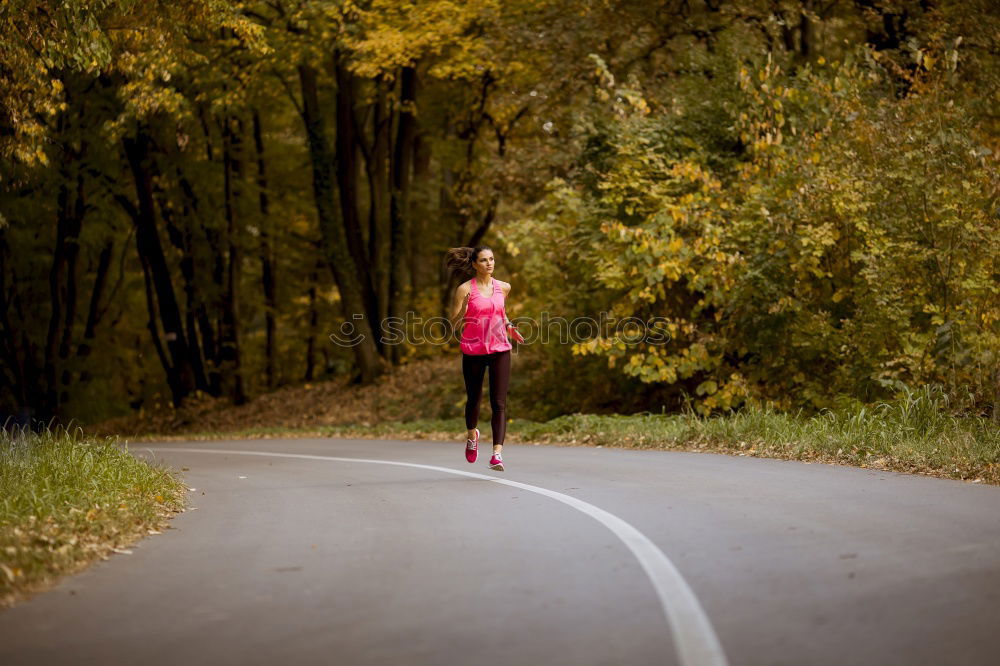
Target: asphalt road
[(383, 552)]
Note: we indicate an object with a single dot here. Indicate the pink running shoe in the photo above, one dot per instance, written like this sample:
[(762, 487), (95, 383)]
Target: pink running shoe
[(472, 447), (496, 462)]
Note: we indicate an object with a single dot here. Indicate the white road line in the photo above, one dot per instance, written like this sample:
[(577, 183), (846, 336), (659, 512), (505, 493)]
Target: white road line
[(697, 644)]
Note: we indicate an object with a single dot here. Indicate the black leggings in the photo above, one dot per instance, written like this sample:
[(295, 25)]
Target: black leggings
[(473, 368)]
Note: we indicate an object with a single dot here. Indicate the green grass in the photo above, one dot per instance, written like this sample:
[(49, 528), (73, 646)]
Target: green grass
[(66, 500), (916, 433)]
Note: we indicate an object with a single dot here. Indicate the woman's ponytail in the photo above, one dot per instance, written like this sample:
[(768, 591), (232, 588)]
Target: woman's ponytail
[(460, 261)]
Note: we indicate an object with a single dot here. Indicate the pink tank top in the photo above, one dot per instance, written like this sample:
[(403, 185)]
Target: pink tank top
[(484, 331)]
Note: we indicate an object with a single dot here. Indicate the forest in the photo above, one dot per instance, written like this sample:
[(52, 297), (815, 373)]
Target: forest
[(196, 196)]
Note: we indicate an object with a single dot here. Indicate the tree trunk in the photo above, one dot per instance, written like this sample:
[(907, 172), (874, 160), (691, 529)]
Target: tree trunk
[(209, 319), (60, 290), (72, 277), (333, 231), (229, 333), (311, 331), (202, 314), (94, 312), (192, 294), (805, 29), (402, 160), (266, 257), (160, 295), (421, 170), (180, 233), (450, 219), (62, 273), (347, 182), (377, 167), (17, 355)]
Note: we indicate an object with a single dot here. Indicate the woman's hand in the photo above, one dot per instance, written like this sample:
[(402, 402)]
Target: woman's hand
[(514, 333)]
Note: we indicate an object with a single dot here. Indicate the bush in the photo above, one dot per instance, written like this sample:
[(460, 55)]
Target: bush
[(835, 238)]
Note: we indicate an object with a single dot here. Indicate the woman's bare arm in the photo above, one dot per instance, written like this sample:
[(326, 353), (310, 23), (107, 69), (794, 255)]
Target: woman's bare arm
[(458, 306), (511, 331), (506, 292)]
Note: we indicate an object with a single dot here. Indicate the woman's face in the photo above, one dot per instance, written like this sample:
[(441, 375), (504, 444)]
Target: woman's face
[(484, 263)]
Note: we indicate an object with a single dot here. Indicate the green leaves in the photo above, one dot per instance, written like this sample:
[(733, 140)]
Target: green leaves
[(797, 271), (145, 43)]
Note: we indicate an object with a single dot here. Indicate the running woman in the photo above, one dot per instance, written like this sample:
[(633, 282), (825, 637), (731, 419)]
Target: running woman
[(478, 306)]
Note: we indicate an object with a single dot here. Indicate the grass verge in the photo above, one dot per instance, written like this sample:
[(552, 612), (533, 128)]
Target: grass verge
[(914, 434), (67, 500)]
